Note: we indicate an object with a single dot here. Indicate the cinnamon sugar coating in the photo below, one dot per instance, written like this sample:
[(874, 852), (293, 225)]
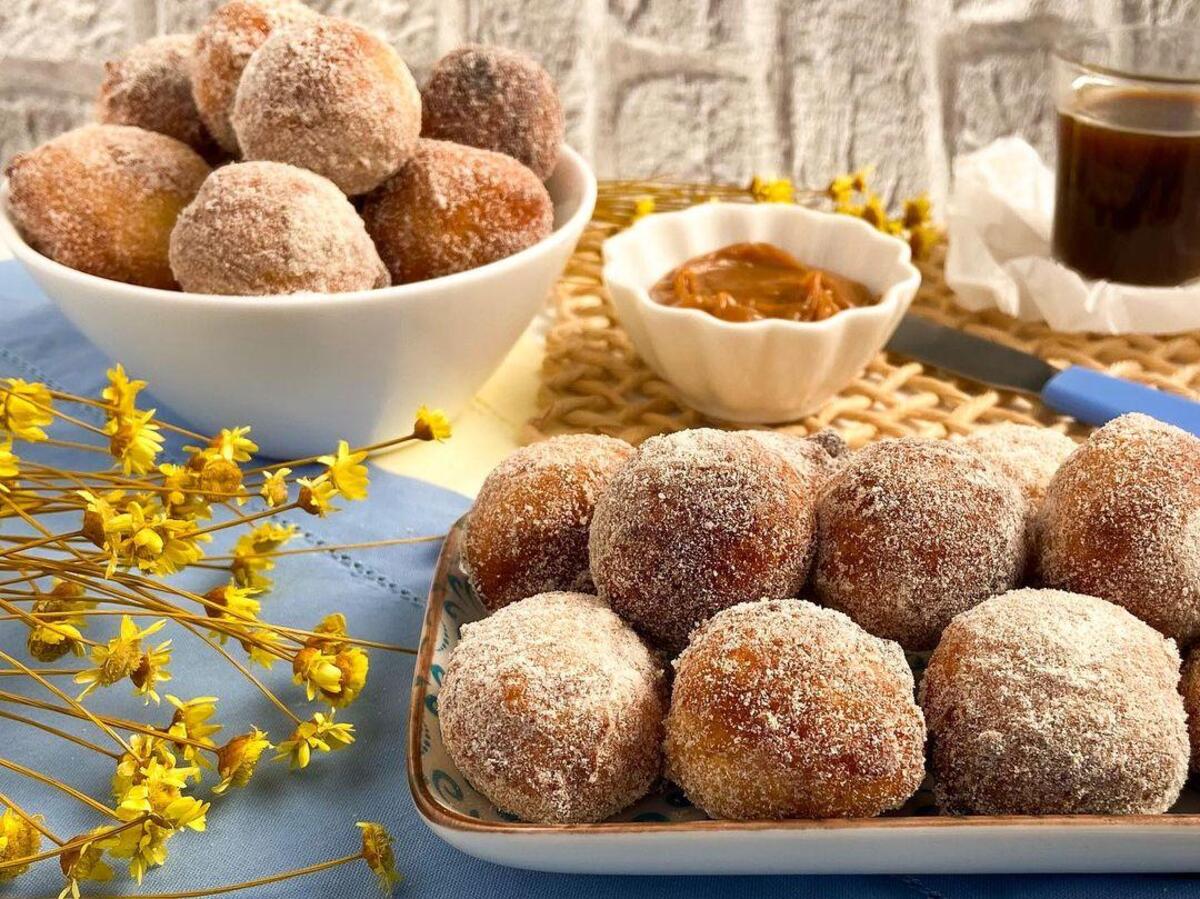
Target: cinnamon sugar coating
[(1029, 455), (1189, 686), (151, 87), (268, 228), (223, 47), (1121, 520), (495, 99), (782, 709), (103, 199), (453, 208), (331, 97), (695, 522), (913, 531), (528, 530), (553, 709), (816, 457), (1042, 702)]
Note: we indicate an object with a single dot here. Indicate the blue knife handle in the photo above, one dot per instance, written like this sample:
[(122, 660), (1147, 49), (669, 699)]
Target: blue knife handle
[(1095, 398)]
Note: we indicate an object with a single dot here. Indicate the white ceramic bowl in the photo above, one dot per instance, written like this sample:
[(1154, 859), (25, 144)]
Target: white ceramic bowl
[(764, 371), (307, 369)]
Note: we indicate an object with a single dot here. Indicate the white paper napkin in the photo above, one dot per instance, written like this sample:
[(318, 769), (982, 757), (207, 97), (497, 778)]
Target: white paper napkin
[(999, 220)]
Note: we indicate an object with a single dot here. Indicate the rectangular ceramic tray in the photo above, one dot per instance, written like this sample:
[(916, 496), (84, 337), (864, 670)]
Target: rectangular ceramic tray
[(663, 834)]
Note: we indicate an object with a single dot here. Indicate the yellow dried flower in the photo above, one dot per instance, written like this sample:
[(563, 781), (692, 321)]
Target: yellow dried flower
[(317, 495), (233, 602), (98, 512), (252, 554), (181, 498), (220, 479), (642, 207), (258, 654), (18, 839), (135, 441), (119, 658), (777, 190), (377, 853), (121, 393), (237, 759), (10, 465), (922, 240), (314, 665), (917, 211), (274, 487), (151, 670), (25, 409), (431, 424), (347, 472), (320, 734), (234, 445), (317, 671), (84, 862), (191, 721)]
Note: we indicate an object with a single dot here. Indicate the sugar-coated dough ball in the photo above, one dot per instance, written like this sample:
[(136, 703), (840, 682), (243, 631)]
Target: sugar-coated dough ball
[(1189, 686), (103, 199), (1121, 520), (782, 709), (816, 457), (1041, 702), (151, 87), (528, 530), (913, 531), (553, 709), (495, 99), (695, 522), (269, 228), (1027, 454), (330, 97), (453, 208), (223, 47)]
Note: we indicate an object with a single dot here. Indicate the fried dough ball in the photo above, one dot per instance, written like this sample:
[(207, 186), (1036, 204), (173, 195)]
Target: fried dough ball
[(1189, 686), (330, 97), (223, 47), (103, 199), (528, 530), (453, 208), (1120, 521), (1027, 454), (269, 228), (695, 522), (495, 99), (553, 709), (1041, 702), (816, 457), (782, 709), (151, 87), (914, 531)]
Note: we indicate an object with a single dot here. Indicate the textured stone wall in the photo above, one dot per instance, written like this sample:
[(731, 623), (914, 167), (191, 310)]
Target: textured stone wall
[(679, 88)]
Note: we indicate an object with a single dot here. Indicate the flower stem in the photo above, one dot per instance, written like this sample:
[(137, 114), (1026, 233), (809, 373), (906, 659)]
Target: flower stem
[(31, 820), (32, 722), (51, 782)]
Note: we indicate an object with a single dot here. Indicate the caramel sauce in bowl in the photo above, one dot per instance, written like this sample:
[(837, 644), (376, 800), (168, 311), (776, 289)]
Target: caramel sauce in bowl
[(764, 368)]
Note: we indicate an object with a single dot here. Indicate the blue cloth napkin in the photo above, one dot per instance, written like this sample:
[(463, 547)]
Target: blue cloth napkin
[(282, 821)]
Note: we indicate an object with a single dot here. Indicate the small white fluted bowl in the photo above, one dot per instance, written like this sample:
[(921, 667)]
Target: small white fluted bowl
[(308, 369), (763, 371)]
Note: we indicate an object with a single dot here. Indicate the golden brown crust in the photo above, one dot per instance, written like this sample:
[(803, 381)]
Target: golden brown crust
[(553, 709), (695, 522), (331, 97), (103, 199), (1041, 702), (913, 531), (1121, 520), (782, 709), (495, 99), (223, 47), (528, 530), (454, 208)]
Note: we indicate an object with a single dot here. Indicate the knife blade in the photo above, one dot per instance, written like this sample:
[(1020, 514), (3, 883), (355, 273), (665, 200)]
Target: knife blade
[(1088, 396)]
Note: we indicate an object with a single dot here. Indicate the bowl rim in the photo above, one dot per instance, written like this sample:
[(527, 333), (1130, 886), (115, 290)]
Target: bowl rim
[(894, 297), (576, 220)]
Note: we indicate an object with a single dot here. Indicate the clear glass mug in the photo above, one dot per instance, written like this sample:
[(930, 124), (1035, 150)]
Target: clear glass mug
[(1127, 203)]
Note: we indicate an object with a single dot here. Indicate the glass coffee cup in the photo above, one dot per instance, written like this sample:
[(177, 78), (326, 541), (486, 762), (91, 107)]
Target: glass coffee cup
[(1127, 205)]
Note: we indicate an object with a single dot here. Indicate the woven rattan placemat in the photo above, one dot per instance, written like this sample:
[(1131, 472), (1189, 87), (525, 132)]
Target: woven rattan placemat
[(593, 381)]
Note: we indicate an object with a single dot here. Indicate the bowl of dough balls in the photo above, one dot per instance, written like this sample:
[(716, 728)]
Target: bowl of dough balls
[(751, 651), (271, 222)]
